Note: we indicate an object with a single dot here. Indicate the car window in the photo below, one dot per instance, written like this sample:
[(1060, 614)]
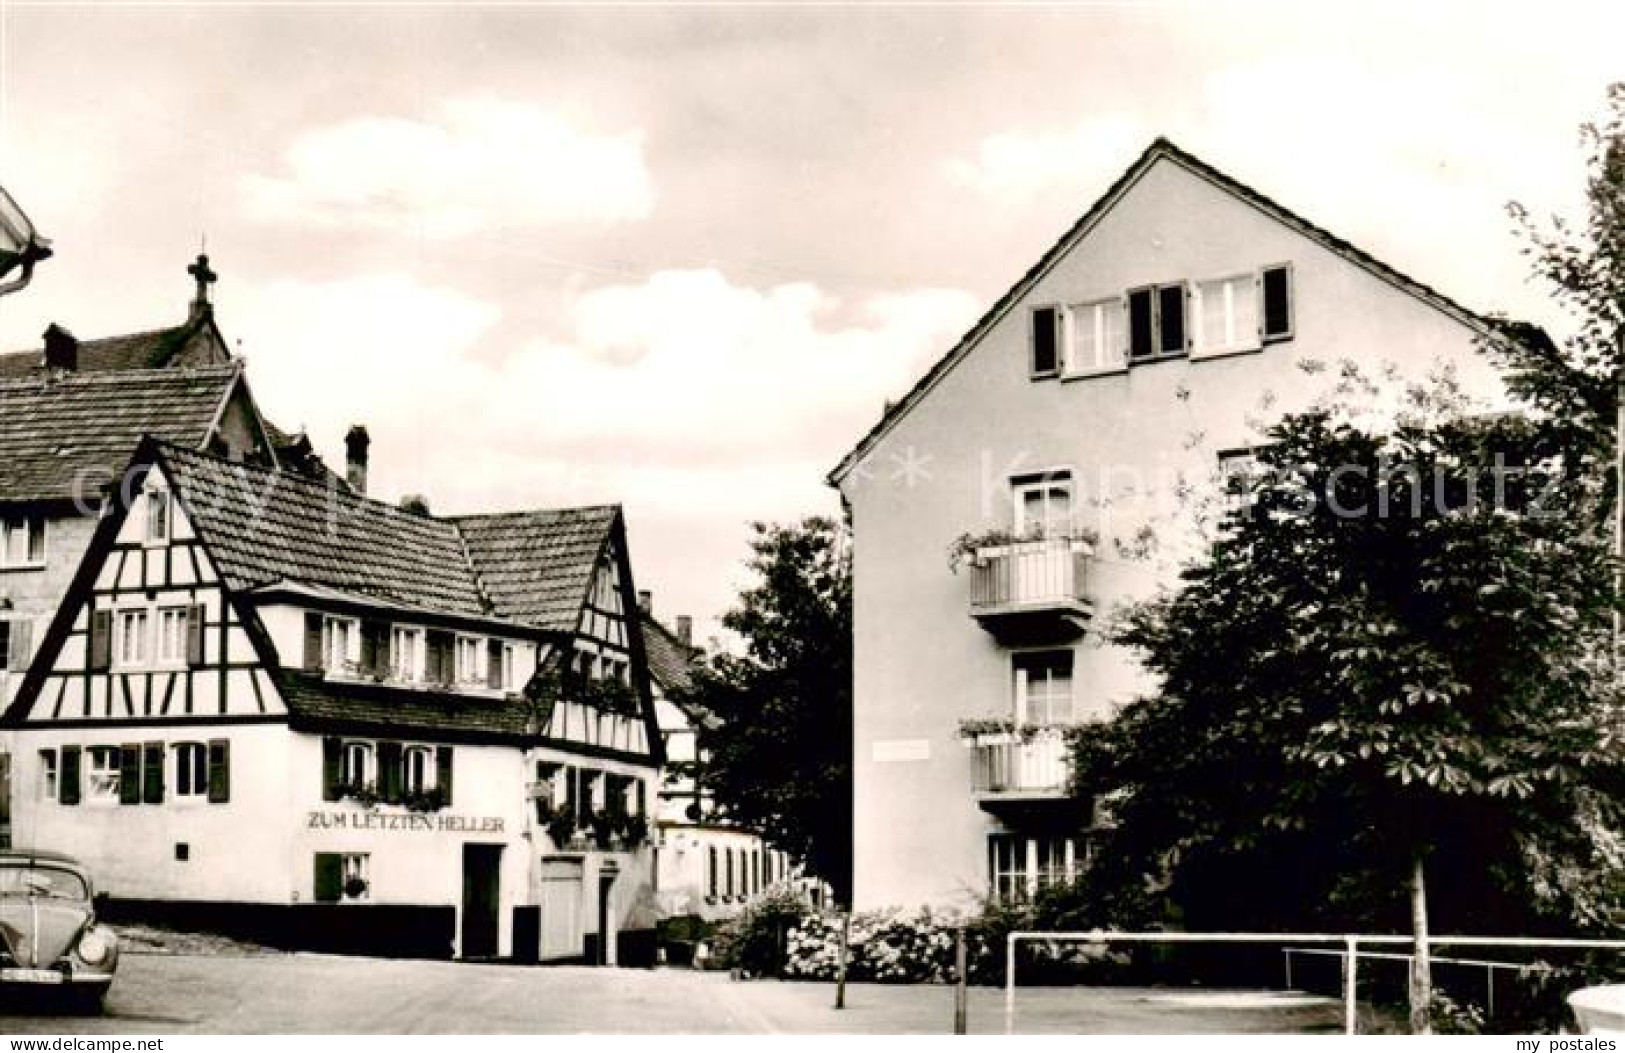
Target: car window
[(41, 881)]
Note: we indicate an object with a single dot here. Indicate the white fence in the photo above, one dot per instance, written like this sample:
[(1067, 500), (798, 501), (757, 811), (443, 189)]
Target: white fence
[(1350, 942)]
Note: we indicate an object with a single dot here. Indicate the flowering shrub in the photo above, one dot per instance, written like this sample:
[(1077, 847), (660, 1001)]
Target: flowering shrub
[(755, 942), (884, 947)]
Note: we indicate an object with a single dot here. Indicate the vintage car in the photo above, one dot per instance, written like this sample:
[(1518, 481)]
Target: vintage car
[(48, 925)]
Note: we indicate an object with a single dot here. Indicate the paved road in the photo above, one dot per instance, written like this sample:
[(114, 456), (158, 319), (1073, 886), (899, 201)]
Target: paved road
[(303, 993)]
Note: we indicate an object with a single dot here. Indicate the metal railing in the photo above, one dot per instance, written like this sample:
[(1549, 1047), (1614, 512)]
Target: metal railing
[(1007, 764), (1030, 574)]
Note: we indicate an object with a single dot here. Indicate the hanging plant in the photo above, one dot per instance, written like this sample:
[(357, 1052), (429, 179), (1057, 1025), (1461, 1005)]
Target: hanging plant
[(561, 827)]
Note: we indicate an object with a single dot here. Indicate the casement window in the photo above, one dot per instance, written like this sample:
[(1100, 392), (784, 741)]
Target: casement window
[(172, 622), (1046, 341), (1275, 290), (1043, 686), (158, 517), (48, 780), (357, 768), (438, 659), (16, 644), (711, 873), (1097, 339), (1156, 321), (103, 774), (509, 680), (417, 769), (22, 542), (340, 644), (471, 664), (131, 646), (1043, 504), (1019, 866), (341, 877), (191, 770), (406, 654), (375, 641), (1225, 313)]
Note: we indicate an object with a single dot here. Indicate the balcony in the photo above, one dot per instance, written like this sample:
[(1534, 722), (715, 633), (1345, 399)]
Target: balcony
[(1032, 591), (1024, 764)]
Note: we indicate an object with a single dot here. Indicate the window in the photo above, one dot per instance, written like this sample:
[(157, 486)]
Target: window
[(338, 635), (1043, 504), (470, 655), (405, 653), (510, 667), (417, 769), (356, 764), (1097, 336), (47, 775), (1019, 866), (1046, 341), (157, 516), (342, 877), (172, 634), (1277, 295), (1156, 321), (1226, 314), (102, 774), (22, 542), (191, 770), (1043, 687), (130, 646)]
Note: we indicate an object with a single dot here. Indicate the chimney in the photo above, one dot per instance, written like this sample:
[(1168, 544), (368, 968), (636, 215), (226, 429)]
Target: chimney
[(61, 348), (356, 441), (685, 630), (646, 601), (204, 277)]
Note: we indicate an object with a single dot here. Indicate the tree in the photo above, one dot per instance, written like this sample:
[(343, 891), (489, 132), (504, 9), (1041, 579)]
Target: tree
[(1388, 673), (778, 759)]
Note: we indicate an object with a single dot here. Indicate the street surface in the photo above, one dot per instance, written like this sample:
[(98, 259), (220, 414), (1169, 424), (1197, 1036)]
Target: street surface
[(307, 993)]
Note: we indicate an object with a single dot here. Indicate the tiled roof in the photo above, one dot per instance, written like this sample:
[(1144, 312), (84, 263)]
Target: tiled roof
[(265, 525), (669, 658), (58, 431), (535, 567), (317, 704), (150, 350), (1161, 148)]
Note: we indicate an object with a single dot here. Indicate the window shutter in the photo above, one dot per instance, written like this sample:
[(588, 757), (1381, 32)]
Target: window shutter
[(194, 635), (442, 771), (68, 781), (1046, 348), (20, 648), (440, 661), (219, 771), (313, 642), (1171, 319), (1141, 317), (389, 772), (5, 643), (571, 795), (332, 767), (642, 800), (493, 664), (1277, 313), (129, 774), (381, 654), (152, 773), (329, 877), (101, 640)]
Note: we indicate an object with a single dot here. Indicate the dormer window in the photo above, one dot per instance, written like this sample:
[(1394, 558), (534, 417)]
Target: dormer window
[(338, 640), (470, 660), (405, 653), (157, 517)]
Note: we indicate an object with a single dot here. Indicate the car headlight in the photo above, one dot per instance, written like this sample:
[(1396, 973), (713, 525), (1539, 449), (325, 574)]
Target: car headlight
[(94, 947)]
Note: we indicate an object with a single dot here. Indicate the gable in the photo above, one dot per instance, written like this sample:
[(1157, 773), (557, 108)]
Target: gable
[(1172, 217), (148, 631)]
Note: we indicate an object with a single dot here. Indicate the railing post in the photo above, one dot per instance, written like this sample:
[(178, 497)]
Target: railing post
[(961, 995), (1010, 984), (1350, 984), (840, 961)]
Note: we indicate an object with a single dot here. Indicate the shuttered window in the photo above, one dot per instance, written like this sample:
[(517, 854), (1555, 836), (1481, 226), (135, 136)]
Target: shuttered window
[(152, 773), (1277, 296), (1046, 341), (1156, 321), (219, 771), (191, 770)]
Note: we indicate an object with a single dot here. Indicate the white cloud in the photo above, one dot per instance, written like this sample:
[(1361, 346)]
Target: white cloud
[(478, 165), (1011, 168)]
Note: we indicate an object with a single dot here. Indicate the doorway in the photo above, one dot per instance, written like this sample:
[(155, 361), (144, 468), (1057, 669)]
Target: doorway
[(482, 897), (562, 937)]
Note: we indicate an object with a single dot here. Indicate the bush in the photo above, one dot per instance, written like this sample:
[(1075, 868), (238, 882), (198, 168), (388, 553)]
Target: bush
[(755, 941)]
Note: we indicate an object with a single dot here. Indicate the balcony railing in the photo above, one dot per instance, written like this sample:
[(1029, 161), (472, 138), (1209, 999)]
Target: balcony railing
[(1012, 584), (1031, 763)]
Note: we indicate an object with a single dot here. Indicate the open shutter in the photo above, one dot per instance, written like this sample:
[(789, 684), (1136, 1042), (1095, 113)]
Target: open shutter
[(68, 782), (1275, 320), (389, 772), (332, 767), (439, 656), (374, 648), (313, 642), (493, 664), (20, 648), (381, 656), (152, 773), (101, 640), (442, 771), (129, 774), (329, 883), (219, 771), (194, 635)]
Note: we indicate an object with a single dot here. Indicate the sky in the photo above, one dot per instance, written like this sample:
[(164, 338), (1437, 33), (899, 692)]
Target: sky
[(678, 257)]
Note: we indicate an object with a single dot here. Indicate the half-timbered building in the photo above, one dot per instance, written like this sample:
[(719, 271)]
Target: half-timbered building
[(273, 706)]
